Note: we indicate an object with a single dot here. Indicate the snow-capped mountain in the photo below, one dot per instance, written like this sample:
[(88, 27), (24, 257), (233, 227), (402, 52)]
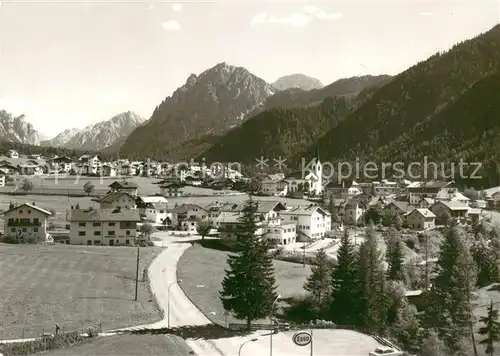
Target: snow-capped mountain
[(211, 103), (299, 81), (103, 134), (61, 139), (16, 129)]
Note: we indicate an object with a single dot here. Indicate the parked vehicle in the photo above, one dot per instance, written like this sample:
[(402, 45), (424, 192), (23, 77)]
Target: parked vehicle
[(386, 351)]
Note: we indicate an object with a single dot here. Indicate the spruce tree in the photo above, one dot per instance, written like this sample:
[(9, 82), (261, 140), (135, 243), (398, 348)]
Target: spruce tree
[(394, 256), (249, 286), (319, 281), (343, 305), (372, 284), (449, 310), (491, 330)]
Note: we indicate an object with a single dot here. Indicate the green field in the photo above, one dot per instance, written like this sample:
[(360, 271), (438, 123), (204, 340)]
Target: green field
[(72, 286), (202, 270), (129, 345), (49, 202)]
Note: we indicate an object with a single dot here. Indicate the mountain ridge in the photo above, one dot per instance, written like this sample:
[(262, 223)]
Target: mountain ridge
[(17, 129), (210, 103)]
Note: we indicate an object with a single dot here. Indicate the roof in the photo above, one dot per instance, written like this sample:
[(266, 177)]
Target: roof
[(402, 205), (431, 185), (263, 206), (426, 213), (184, 208), (156, 206), (123, 185), (453, 205), (229, 217), (111, 197), (475, 211), (459, 196), (304, 210), (154, 199), (105, 215), (32, 206)]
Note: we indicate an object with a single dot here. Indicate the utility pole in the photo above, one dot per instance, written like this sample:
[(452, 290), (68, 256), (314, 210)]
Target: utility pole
[(304, 255), (426, 262), (137, 274)]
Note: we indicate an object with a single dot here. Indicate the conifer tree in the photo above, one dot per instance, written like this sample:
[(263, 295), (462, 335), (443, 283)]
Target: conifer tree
[(372, 284), (394, 256), (484, 257), (449, 310), (319, 281), (343, 306), (491, 330), (249, 286), (406, 329)]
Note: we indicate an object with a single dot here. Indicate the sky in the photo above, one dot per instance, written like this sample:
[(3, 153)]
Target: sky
[(66, 64)]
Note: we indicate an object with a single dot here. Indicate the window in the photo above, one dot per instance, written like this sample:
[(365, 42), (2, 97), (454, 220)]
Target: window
[(35, 229), (20, 211), (81, 233), (97, 242), (96, 224), (111, 233), (111, 224), (127, 242), (24, 229), (13, 229), (29, 211), (97, 233), (82, 224), (127, 233), (89, 242)]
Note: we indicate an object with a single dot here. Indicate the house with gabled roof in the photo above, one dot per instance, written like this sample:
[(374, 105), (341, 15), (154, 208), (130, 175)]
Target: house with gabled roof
[(103, 227), (124, 186), (421, 219), (26, 222), (438, 190), (186, 216), (455, 209), (312, 221), (397, 208), (354, 211), (113, 200), (172, 189)]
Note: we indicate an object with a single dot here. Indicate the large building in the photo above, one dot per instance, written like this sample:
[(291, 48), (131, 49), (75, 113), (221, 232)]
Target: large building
[(26, 223), (103, 227)]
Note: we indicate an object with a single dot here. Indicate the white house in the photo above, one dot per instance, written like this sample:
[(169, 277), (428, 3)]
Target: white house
[(26, 222), (421, 219), (455, 209), (185, 217), (155, 209), (90, 164), (103, 227), (2, 180), (61, 164), (313, 222), (115, 200), (461, 198)]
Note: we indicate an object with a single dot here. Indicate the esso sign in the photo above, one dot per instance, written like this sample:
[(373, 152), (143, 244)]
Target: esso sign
[(302, 338)]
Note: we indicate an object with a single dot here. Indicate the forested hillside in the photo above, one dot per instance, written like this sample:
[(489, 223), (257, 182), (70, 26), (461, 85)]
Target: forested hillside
[(411, 98)]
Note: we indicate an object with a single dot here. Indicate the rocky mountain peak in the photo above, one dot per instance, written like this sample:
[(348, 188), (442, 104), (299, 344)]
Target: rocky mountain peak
[(219, 99), (17, 129)]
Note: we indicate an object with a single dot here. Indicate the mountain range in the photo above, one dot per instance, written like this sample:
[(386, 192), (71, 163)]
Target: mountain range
[(227, 114), (98, 136)]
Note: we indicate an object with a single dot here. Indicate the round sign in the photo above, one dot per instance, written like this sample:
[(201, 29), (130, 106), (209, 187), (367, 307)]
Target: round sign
[(302, 338)]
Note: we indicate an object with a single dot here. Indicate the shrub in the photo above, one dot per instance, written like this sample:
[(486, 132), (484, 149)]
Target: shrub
[(44, 344)]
